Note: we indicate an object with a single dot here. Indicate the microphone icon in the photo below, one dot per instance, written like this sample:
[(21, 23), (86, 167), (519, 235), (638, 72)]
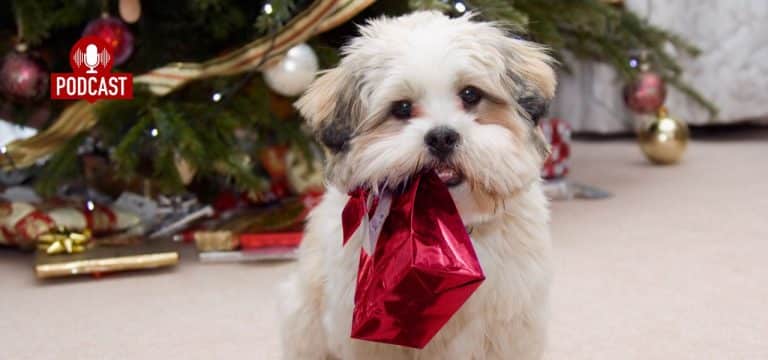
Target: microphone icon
[(91, 58)]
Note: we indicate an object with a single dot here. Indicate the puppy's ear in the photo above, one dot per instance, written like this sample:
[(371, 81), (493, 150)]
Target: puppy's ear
[(530, 76), (540, 142), (332, 108)]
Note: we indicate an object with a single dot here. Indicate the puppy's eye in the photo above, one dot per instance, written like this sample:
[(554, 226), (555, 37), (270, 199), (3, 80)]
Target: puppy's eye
[(470, 96), (402, 109)]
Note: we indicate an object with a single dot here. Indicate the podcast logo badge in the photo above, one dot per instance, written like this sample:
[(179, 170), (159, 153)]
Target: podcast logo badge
[(91, 78)]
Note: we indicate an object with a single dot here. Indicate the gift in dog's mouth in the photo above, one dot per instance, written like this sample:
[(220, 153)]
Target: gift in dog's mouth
[(449, 174)]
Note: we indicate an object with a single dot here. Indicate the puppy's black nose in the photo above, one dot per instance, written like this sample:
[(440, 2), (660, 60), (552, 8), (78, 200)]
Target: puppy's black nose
[(441, 141)]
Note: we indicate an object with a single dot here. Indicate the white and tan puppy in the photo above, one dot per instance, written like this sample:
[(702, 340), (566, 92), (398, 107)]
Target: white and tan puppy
[(426, 91)]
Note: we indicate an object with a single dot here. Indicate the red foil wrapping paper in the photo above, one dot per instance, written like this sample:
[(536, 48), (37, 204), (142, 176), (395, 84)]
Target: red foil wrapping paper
[(422, 268)]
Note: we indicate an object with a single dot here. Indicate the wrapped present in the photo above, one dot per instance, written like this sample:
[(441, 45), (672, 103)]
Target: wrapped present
[(100, 259), (254, 255), (100, 219), (558, 134), (226, 246), (287, 215), (273, 233), (164, 215), (22, 223), (417, 264), (223, 240)]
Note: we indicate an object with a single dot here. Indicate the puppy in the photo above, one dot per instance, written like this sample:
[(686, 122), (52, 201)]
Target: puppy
[(424, 91)]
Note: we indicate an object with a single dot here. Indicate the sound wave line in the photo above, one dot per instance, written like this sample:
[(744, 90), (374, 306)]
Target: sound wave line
[(78, 57)]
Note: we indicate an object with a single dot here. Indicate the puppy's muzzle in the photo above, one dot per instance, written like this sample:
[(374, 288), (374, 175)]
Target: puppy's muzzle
[(442, 141)]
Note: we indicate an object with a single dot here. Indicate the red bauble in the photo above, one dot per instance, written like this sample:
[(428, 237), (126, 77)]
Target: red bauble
[(23, 77), (646, 94), (115, 33)]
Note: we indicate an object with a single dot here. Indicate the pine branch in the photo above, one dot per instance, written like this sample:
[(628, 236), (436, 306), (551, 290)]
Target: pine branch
[(64, 164), (593, 30), (39, 17), (693, 94), (274, 15), (502, 11), (438, 5)]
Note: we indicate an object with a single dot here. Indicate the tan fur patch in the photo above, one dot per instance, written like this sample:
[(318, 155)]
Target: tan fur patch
[(319, 102), (493, 113), (383, 130)]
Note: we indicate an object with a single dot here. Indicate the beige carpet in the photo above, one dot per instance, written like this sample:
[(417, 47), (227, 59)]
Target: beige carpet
[(675, 266)]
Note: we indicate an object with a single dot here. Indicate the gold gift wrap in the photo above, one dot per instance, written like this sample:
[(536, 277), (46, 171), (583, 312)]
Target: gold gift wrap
[(102, 259)]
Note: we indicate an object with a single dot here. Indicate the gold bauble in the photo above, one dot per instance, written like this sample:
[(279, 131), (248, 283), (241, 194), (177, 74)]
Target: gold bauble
[(664, 140)]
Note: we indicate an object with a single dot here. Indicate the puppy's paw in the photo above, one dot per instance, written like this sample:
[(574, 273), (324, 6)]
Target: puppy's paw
[(302, 331)]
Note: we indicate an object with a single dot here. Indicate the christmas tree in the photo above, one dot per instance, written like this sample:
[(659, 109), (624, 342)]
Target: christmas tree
[(215, 80)]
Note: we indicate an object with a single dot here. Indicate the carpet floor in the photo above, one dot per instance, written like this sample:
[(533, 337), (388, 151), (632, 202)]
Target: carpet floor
[(673, 266)]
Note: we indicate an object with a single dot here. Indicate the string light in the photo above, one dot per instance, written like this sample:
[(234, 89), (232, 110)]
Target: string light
[(460, 7), (633, 63), (268, 9), (154, 132), (216, 97), (90, 205)]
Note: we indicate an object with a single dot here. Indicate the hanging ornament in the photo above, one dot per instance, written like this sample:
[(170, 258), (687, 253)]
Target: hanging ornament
[(130, 10), (664, 140), (113, 32), (293, 74), (23, 76), (646, 94)]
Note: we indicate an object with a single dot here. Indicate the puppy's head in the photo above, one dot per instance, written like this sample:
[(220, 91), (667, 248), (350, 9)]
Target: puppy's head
[(425, 91)]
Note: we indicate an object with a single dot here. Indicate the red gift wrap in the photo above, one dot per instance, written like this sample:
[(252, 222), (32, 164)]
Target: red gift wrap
[(417, 265), (558, 134), (21, 223)]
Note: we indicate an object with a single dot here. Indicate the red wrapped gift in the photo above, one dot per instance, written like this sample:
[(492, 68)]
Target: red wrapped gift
[(417, 266), (21, 223), (558, 134)]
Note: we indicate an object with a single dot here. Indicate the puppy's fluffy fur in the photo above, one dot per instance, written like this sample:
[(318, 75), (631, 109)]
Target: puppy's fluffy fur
[(428, 59)]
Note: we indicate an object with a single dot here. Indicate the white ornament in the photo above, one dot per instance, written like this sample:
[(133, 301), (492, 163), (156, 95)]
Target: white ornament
[(293, 74)]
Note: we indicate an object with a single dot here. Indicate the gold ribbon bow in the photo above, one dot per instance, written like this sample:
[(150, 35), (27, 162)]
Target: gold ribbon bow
[(63, 242)]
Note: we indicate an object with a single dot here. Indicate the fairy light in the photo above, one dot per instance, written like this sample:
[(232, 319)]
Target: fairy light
[(460, 7), (216, 97), (90, 205), (268, 9), (154, 132)]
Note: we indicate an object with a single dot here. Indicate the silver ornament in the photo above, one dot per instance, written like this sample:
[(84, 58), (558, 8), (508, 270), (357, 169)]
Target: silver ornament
[(293, 74)]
